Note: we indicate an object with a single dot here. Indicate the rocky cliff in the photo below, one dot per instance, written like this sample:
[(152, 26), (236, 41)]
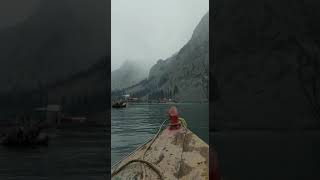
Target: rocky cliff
[(266, 64), (183, 76), (58, 39), (265, 86)]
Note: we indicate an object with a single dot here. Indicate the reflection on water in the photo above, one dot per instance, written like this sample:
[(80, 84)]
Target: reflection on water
[(134, 125), (76, 153)]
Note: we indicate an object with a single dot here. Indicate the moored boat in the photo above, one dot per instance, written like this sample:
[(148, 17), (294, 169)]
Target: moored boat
[(174, 153), (25, 137), (119, 105)]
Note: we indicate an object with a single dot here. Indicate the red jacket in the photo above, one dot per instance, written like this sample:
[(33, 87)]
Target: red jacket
[(214, 172)]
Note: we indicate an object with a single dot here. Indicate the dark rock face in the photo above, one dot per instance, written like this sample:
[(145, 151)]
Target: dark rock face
[(266, 88), (263, 58), (60, 38), (183, 76)]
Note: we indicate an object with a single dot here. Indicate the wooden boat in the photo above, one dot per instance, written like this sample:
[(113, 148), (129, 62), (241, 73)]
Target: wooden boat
[(41, 140), (119, 105), (173, 154), (19, 138)]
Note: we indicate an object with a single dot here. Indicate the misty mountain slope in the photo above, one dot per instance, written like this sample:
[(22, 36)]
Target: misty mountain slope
[(128, 74), (60, 38), (184, 76), (266, 71)]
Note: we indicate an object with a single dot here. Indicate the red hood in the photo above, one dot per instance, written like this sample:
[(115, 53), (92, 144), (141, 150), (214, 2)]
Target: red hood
[(214, 167)]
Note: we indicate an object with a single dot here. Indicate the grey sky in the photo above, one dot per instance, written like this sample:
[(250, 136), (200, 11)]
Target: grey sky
[(15, 11), (148, 30)]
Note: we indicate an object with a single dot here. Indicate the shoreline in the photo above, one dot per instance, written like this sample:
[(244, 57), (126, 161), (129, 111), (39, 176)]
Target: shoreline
[(145, 103)]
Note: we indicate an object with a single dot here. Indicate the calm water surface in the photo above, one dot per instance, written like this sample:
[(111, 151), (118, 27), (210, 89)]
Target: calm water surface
[(134, 125)]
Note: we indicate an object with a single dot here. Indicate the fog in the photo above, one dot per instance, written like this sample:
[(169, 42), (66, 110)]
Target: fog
[(141, 30), (11, 13), (147, 30)]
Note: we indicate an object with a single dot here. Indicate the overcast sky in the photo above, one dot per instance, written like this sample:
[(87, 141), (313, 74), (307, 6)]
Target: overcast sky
[(15, 11), (148, 30)]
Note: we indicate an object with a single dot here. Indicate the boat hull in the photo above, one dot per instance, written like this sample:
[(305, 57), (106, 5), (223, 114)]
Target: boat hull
[(123, 105), (40, 140), (174, 154)]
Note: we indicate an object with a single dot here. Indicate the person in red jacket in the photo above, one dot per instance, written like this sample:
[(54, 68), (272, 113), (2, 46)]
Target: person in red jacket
[(214, 172)]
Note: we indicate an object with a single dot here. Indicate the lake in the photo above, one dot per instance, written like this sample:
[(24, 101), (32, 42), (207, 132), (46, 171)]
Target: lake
[(73, 153), (136, 124)]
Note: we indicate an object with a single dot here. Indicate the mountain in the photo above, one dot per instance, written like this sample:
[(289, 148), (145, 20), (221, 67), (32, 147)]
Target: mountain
[(60, 38), (183, 76), (128, 74), (266, 64), (266, 86)]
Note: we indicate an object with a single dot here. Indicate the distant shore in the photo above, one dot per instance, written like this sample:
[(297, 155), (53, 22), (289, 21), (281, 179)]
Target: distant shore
[(154, 103)]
